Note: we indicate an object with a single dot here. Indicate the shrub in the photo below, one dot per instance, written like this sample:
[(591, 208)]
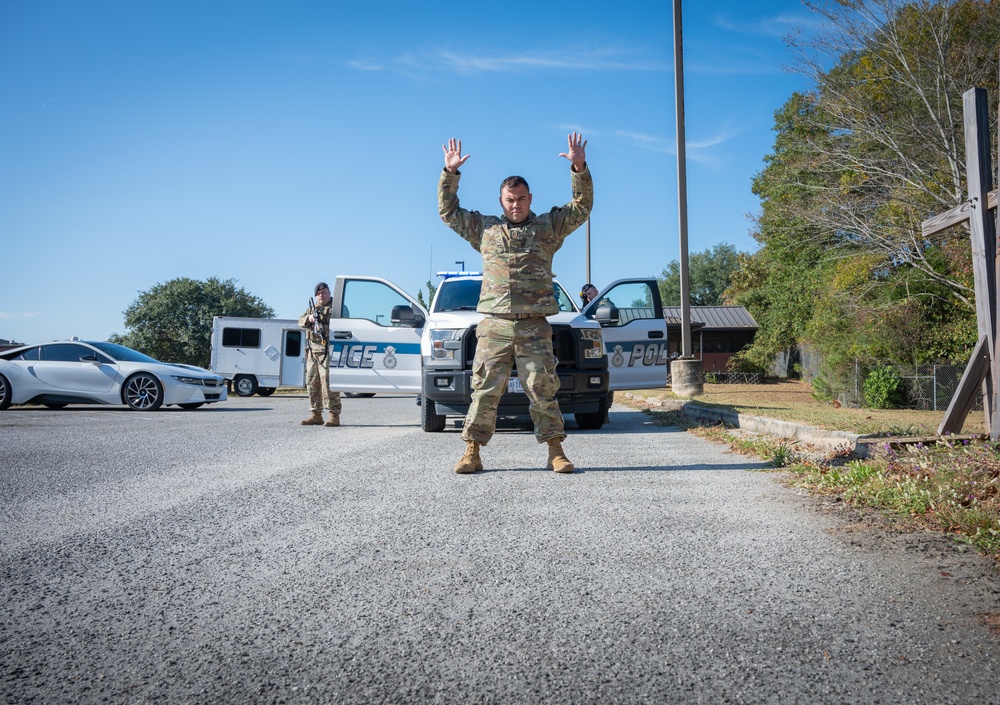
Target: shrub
[(884, 389)]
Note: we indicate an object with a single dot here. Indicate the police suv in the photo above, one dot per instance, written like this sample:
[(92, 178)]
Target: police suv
[(383, 341)]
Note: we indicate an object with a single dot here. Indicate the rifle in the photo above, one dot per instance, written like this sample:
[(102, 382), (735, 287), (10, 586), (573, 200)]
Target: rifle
[(317, 325)]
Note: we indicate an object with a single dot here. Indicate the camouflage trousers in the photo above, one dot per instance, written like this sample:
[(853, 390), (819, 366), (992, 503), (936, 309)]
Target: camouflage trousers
[(318, 384), (499, 342)]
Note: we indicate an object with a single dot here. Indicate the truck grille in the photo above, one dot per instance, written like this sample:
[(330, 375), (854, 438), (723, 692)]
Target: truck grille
[(563, 345)]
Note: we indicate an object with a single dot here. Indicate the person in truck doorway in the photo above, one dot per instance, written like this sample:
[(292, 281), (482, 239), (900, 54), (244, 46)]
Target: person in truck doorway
[(316, 323), (517, 295)]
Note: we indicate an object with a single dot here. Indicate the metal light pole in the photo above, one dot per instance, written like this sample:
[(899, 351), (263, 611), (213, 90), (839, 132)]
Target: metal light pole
[(685, 373), (461, 262)]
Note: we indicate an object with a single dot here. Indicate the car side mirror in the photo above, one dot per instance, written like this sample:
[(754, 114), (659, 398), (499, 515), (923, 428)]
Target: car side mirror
[(403, 315), (607, 315)]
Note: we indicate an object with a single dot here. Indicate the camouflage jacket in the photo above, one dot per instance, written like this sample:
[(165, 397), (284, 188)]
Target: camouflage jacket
[(318, 341), (517, 259)]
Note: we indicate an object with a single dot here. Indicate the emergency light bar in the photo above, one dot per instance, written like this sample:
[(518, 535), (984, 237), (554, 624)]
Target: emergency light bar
[(446, 275)]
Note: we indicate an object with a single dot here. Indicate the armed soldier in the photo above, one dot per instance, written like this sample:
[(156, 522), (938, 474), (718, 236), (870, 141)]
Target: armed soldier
[(316, 322), (517, 295)]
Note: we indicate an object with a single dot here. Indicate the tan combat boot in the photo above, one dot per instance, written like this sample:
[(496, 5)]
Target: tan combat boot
[(557, 458), (470, 462), (316, 419), (334, 420)]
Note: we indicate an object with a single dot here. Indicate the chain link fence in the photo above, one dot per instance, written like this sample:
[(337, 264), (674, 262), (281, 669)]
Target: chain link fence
[(927, 387)]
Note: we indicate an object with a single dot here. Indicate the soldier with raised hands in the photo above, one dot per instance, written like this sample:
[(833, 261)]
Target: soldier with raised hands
[(517, 295)]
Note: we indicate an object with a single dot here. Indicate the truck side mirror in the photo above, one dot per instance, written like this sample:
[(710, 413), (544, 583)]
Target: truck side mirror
[(405, 316), (607, 314)]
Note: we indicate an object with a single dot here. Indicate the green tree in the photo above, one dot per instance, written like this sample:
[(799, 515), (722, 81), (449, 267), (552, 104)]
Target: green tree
[(875, 147), (710, 273), (431, 290), (173, 321)]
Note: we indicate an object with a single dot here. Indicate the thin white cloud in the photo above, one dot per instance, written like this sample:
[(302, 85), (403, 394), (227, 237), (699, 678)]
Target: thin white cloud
[(699, 151), (577, 59), (780, 25), (8, 315)]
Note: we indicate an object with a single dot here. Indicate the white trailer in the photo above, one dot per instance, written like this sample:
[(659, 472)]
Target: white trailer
[(258, 355)]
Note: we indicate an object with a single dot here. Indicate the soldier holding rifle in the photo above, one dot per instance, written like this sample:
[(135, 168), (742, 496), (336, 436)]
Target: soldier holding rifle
[(316, 322)]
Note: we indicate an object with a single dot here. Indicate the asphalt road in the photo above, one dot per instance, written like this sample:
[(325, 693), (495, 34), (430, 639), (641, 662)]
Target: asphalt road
[(230, 555)]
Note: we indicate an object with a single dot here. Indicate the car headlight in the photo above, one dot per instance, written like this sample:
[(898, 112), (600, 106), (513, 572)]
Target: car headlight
[(445, 343), (596, 347), (197, 381)]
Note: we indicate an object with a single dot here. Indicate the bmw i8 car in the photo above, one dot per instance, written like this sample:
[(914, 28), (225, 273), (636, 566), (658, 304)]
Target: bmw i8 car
[(84, 372)]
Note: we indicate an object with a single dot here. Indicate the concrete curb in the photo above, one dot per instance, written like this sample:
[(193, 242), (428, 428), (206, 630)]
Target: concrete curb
[(833, 441), (818, 438)]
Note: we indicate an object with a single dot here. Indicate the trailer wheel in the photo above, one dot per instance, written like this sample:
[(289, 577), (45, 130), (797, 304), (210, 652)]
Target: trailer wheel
[(245, 385), (265, 391), (430, 421)]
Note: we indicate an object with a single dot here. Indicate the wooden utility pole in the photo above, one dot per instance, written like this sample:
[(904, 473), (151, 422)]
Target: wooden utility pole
[(980, 212)]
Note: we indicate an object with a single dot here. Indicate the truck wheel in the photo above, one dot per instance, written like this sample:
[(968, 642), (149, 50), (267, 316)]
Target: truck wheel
[(265, 391), (429, 419), (595, 420), (245, 385)]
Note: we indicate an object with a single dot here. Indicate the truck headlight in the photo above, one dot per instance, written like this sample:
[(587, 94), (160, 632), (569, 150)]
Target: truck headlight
[(593, 343), (445, 342)]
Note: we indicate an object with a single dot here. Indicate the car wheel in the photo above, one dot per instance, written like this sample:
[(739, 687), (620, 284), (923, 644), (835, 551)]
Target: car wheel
[(143, 392), (359, 395), (595, 420), (245, 385), (265, 391), (6, 393), (430, 421), (192, 405)]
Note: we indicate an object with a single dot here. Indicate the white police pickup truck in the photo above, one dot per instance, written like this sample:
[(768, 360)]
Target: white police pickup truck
[(383, 341)]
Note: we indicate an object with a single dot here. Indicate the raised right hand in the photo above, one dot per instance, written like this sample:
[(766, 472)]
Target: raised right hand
[(453, 158)]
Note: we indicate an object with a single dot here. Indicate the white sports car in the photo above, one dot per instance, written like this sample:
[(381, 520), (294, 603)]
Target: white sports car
[(84, 372)]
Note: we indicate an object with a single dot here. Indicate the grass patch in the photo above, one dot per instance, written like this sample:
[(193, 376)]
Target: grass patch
[(792, 400), (949, 487)]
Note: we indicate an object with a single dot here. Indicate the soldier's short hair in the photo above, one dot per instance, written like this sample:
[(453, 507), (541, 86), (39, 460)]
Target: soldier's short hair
[(513, 182)]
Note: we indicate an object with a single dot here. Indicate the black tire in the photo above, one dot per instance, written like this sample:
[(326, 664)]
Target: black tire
[(265, 391), (143, 392), (245, 385), (192, 405), (6, 393), (595, 420), (429, 419), (359, 395)]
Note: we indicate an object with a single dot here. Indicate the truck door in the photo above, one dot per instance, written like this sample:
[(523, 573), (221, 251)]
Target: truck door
[(293, 368), (374, 337), (635, 333)]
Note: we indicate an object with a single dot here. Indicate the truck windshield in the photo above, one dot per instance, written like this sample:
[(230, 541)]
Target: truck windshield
[(463, 295)]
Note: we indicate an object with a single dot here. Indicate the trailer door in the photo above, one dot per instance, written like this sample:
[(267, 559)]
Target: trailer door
[(293, 368), (374, 337)]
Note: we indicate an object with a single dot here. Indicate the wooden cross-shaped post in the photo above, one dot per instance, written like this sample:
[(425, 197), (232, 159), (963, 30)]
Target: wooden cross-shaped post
[(984, 366)]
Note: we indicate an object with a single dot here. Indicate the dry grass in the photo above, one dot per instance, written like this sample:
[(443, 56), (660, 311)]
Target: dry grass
[(792, 400)]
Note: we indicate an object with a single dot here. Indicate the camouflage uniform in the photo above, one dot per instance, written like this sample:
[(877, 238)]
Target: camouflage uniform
[(516, 297), (318, 361)]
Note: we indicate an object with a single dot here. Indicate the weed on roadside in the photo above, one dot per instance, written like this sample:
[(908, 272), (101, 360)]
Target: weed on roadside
[(947, 486)]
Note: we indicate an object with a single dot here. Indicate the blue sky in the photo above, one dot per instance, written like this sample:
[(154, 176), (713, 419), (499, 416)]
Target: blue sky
[(283, 143)]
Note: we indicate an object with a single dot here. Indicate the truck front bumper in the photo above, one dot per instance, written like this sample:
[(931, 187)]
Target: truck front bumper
[(580, 392)]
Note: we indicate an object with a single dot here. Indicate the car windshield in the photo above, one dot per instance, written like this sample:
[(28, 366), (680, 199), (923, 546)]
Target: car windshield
[(463, 295), (121, 353)]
